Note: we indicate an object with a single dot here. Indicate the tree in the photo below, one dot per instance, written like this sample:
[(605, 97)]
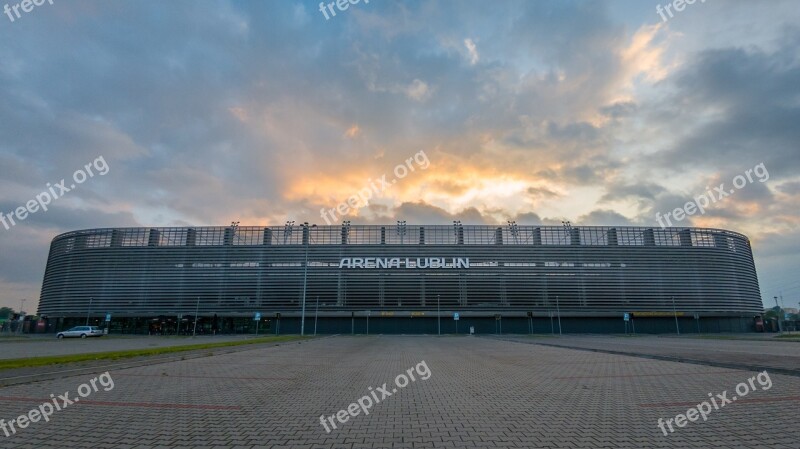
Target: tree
[(6, 312)]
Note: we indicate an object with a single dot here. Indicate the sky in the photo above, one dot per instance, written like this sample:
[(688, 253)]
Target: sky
[(203, 113)]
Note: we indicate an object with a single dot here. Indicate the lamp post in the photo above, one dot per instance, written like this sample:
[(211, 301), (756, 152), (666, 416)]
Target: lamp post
[(558, 311), (345, 232), (568, 229), (89, 311), (307, 238), (196, 311), (779, 312), (287, 231), (305, 279), (514, 228), (675, 312), (316, 315), (439, 313), (19, 324), (234, 226), (401, 230)]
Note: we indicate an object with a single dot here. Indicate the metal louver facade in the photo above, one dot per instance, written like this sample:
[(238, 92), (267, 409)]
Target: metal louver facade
[(485, 270)]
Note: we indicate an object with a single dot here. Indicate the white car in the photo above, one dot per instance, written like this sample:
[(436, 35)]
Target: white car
[(81, 331)]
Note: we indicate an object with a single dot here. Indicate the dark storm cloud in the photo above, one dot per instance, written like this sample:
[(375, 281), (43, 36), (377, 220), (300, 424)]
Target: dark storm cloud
[(603, 217), (528, 218), (541, 192), (753, 95), (422, 213), (643, 191), (790, 188), (619, 109)]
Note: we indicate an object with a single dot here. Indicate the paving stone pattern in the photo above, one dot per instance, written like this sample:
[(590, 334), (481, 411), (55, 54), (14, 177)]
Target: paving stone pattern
[(482, 393)]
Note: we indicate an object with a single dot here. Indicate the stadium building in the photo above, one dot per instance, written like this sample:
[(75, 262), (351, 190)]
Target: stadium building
[(402, 279)]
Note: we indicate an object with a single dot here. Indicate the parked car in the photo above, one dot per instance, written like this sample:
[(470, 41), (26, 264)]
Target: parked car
[(81, 331)]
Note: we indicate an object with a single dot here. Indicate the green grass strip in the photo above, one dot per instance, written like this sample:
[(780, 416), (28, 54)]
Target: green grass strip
[(722, 337), (116, 355), (788, 336)]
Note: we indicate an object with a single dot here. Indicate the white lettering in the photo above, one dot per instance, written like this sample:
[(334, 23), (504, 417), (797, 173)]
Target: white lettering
[(396, 262)]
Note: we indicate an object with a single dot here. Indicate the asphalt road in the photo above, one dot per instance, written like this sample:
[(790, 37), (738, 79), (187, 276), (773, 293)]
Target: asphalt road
[(784, 355)]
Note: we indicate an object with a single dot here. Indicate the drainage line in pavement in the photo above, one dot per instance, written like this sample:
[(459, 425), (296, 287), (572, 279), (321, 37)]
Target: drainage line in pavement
[(739, 366)]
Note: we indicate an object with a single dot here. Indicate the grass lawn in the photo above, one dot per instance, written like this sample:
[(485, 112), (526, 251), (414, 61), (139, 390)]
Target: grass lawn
[(788, 337), (116, 355), (720, 337)]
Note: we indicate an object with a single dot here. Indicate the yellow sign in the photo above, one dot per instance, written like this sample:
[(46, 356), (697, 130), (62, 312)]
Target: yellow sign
[(656, 314)]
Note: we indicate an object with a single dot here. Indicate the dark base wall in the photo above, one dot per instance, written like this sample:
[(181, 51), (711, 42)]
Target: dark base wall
[(411, 325), (520, 325)]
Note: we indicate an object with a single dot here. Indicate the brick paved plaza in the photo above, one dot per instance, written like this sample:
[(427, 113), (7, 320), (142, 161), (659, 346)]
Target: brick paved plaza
[(482, 392), (775, 355)]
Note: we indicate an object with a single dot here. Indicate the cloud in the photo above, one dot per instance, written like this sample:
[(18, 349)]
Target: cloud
[(741, 116), (418, 91), (352, 132), (263, 113), (541, 192), (602, 217), (528, 218), (420, 213), (473, 51), (790, 188), (619, 109), (644, 56)]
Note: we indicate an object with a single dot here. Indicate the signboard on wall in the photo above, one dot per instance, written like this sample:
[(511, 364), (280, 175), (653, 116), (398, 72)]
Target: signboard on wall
[(404, 262)]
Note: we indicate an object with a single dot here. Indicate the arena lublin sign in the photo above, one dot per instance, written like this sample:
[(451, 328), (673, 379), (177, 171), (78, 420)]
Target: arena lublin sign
[(405, 262)]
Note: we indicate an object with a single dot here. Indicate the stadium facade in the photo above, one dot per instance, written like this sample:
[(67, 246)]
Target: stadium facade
[(402, 279)]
